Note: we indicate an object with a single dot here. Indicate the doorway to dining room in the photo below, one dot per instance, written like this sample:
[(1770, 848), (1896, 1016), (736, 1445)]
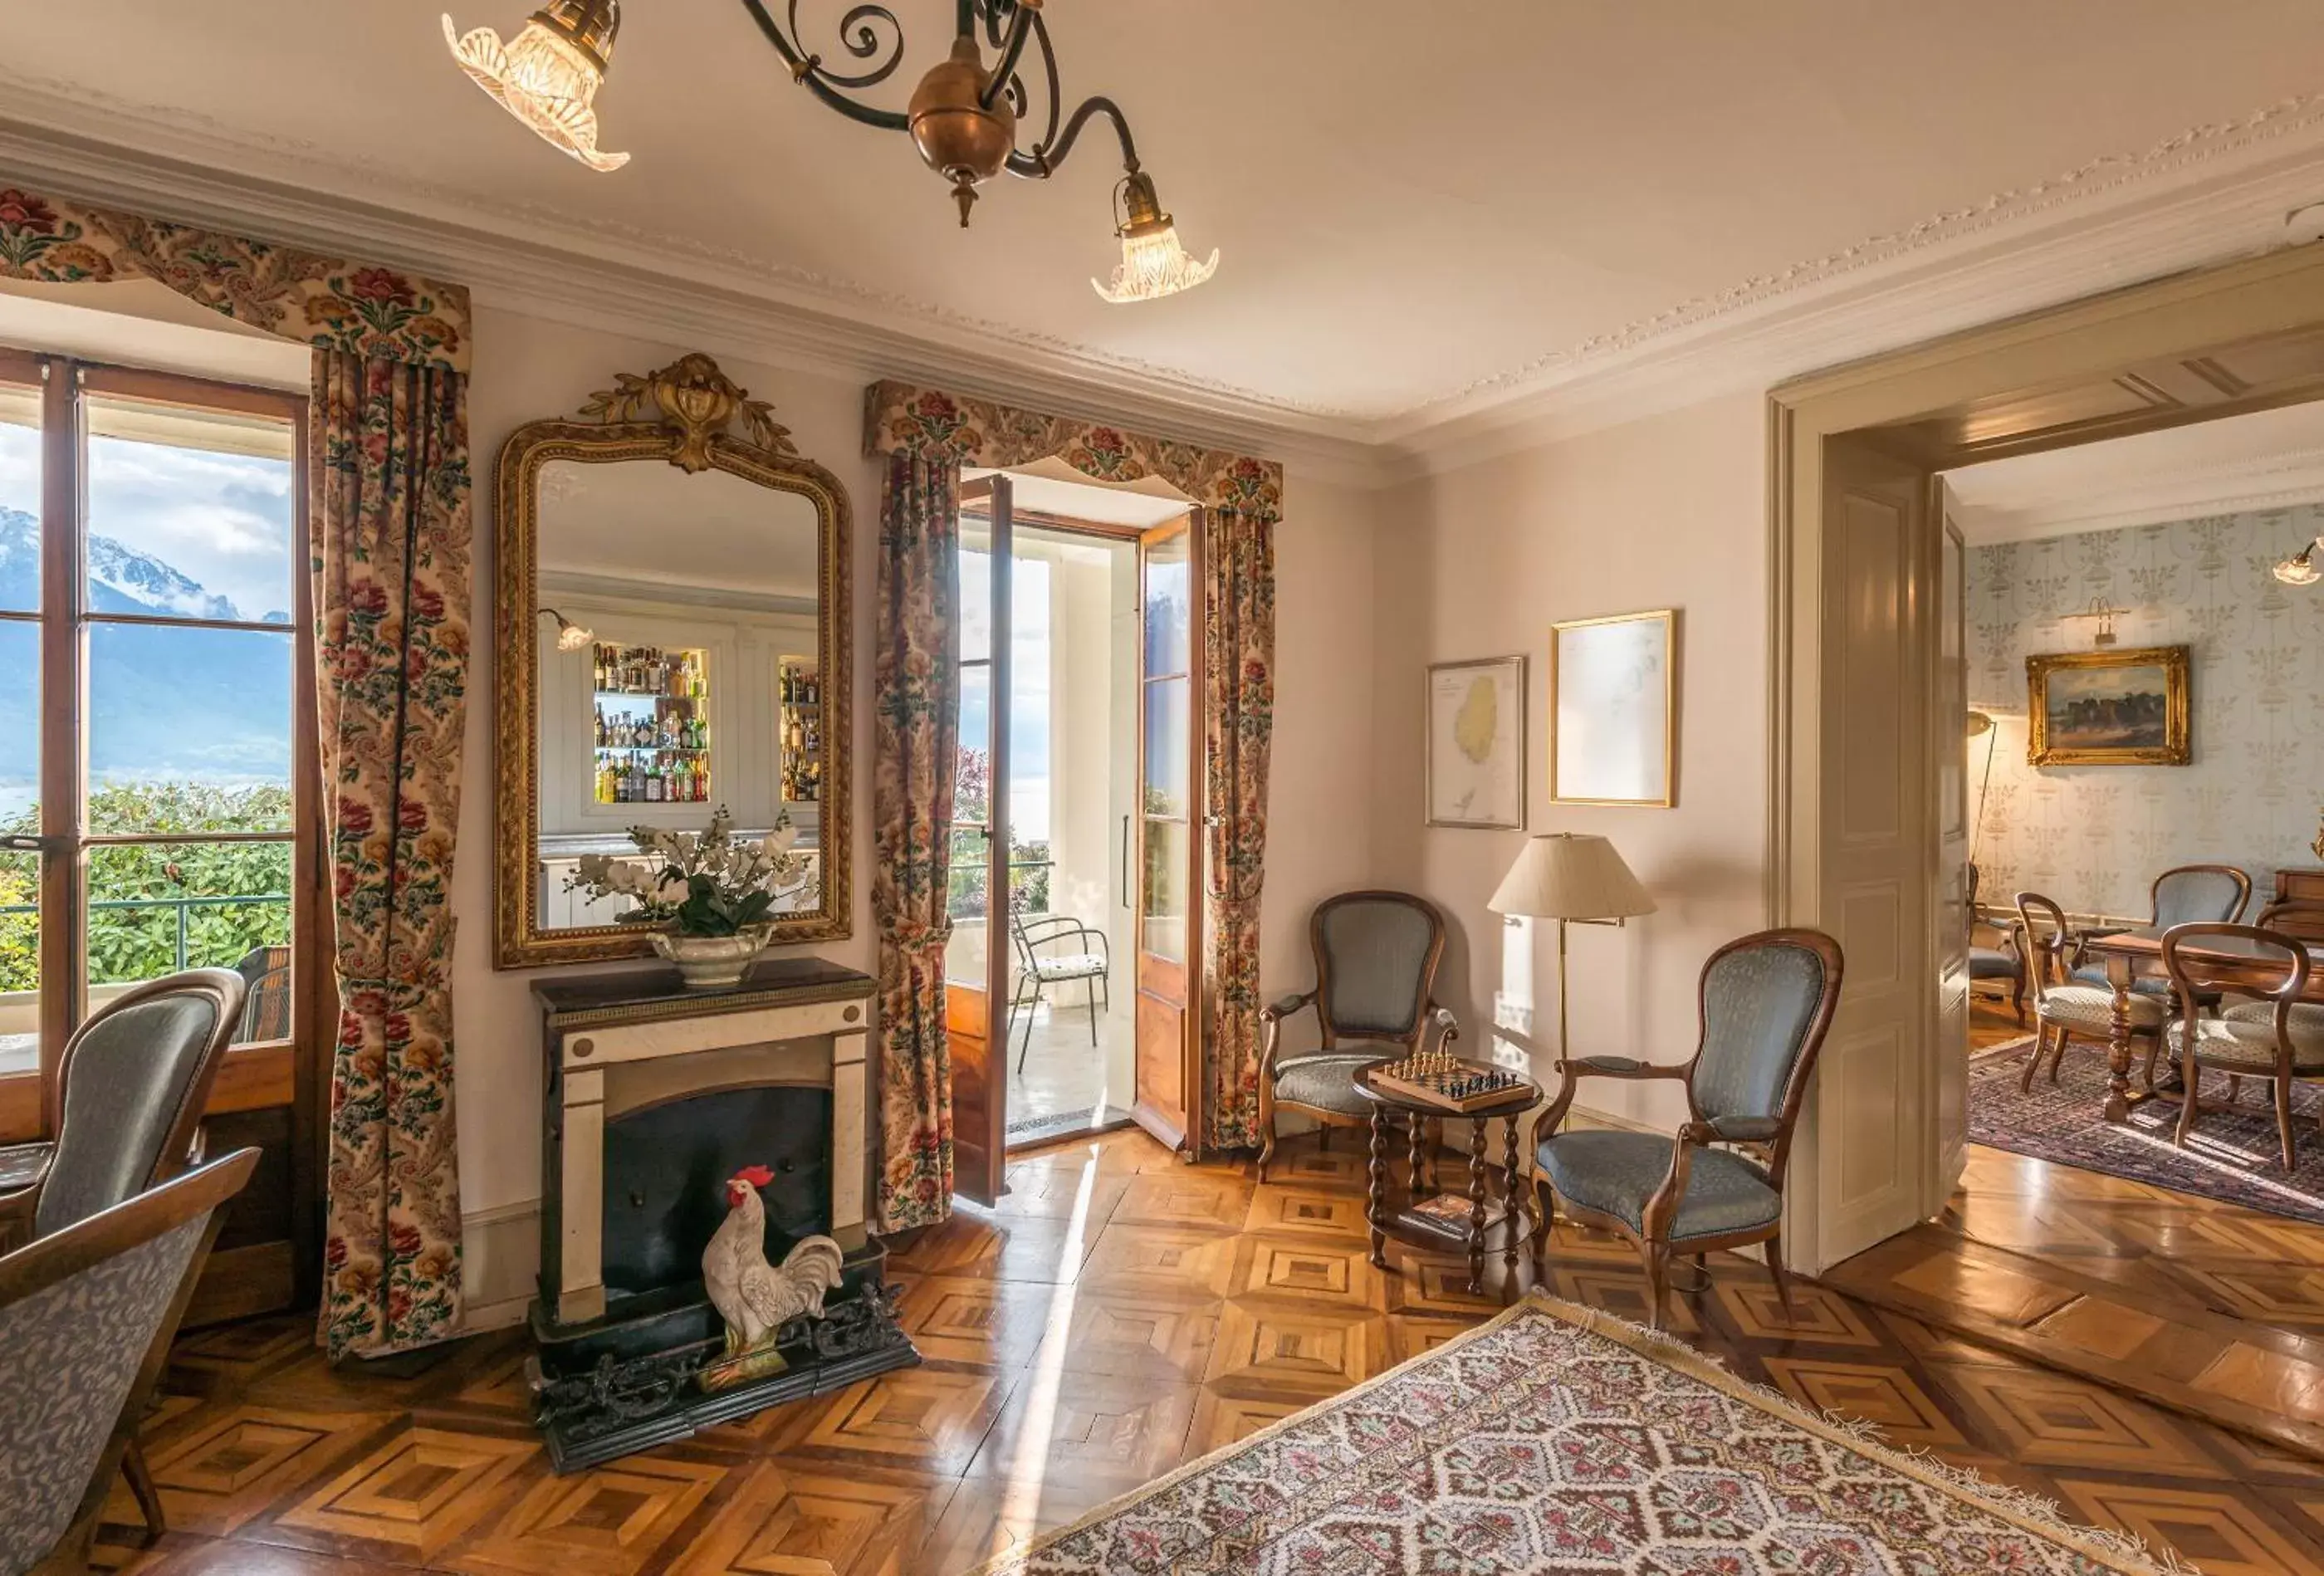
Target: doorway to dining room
[(2125, 739)]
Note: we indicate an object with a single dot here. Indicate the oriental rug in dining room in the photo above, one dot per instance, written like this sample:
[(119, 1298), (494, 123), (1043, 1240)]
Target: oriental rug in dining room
[(2232, 1155), (1558, 1439)]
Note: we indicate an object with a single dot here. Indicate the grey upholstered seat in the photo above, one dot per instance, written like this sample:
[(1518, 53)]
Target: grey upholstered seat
[(2250, 1041), (1327, 1079), (129, 1076), (1614, 1173)]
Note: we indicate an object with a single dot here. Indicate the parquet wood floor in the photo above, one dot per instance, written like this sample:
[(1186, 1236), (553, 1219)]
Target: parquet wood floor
[(2203, 1307), (1118, 1314)]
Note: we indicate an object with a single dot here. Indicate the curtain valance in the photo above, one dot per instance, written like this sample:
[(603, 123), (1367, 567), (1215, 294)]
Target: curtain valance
[(901, 418), (330, 303)]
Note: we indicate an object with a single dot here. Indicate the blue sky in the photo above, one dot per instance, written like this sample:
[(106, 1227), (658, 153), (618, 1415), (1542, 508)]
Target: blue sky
[(1028, 683)]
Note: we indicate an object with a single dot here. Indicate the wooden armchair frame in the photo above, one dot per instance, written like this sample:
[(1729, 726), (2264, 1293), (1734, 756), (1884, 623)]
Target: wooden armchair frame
[(1770, 1138)]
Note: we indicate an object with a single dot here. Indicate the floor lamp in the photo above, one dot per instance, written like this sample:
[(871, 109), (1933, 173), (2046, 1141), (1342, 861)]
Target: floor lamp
[(1573, 878)]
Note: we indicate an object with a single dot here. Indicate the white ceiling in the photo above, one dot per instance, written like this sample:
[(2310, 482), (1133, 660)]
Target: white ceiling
[(2270, 459), (1425, 211)]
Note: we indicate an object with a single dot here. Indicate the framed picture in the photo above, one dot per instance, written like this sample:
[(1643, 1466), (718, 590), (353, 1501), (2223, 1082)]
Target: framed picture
[(1613, 710), (1476, 746), (2108, 708)]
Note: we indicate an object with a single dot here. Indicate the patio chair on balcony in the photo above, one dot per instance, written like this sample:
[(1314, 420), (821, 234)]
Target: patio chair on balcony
[(1056, 949)]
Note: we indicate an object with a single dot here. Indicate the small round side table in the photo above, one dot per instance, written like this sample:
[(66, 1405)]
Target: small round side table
[(1436, 1218)]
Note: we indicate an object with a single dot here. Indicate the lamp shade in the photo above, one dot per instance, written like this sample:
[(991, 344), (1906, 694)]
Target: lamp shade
[(1569, 875)]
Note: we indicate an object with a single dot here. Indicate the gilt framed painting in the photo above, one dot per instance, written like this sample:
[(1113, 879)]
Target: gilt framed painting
[(2108, 708), (1613, 710), (1476, 746)]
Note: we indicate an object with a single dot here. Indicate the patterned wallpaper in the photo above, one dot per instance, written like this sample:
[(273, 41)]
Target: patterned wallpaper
[(2094, 837)]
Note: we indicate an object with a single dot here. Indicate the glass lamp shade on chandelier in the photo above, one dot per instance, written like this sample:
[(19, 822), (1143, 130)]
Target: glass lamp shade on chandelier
[(2299, 569), (963, 116)]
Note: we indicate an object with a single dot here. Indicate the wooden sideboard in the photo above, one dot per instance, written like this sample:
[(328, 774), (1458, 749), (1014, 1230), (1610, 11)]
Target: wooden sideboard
[(2303, 888)]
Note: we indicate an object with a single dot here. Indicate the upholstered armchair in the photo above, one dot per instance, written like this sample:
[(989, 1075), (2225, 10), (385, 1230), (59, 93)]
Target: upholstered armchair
[(86, 1314), (1376, 956), (136, 1075), (2067, 1005), (1766, 1001)]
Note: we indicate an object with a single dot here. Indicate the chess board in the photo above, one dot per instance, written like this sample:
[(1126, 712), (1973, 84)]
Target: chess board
[(1447, 1083)]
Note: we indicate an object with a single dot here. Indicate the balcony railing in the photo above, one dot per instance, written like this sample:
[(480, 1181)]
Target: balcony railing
[(183, 907)]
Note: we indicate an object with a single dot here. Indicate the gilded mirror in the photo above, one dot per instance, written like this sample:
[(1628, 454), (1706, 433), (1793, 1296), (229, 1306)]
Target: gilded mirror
[(672, 629)]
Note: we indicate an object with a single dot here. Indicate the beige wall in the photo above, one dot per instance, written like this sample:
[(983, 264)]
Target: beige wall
[(528, 368), (1667, 512)]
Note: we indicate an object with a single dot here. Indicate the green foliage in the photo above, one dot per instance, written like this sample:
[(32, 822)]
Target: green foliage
[(232, 896)]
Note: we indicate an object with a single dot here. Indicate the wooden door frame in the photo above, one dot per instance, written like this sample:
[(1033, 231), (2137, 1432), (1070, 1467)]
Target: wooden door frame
[(1890, 403)]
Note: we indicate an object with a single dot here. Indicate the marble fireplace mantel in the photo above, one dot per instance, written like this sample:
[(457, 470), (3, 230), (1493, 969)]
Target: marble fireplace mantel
[(621, 1042)]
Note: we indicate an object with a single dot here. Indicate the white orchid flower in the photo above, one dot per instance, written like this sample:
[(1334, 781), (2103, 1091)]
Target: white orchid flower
[(671, 890)]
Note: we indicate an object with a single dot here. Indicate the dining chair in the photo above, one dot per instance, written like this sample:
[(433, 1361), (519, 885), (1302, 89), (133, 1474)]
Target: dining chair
[(2066, 1005), (2274, 1037), (2003, 964), (87, 1315), (136, 1075), (2186, 894), (1765, 1002), (1376, 956)]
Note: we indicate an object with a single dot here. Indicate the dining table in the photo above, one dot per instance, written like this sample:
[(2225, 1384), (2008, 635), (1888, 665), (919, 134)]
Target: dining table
[(2227, 961)]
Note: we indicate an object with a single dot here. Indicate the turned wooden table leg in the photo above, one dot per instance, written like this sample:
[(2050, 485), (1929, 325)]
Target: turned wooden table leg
[(1478, 1166), (1417, 1159), (2117, 1100), (1514, 1181), (1376, 1198)]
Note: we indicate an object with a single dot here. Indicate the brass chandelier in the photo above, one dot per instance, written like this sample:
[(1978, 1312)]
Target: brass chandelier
[(964, 116)]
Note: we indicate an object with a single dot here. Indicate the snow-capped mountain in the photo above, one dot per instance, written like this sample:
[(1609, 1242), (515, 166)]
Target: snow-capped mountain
[(121, 579), (164, 702)]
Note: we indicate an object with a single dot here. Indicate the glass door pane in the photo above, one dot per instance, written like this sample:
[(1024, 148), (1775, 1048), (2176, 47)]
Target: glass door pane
[(1168, 804), (20, 724), (188, 819)]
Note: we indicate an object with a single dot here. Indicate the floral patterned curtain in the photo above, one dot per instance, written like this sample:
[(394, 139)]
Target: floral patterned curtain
[(1238, 726), (390, 537), (915, 736), (390, 542), (1242, 498)]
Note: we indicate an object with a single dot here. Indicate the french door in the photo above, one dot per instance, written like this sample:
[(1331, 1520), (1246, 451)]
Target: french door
[(1168, 1083), (976, 965), (159, 798), (1162, 847)]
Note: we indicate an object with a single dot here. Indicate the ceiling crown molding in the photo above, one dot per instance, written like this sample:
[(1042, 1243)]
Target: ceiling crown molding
[(675, 294), (2204, 195)]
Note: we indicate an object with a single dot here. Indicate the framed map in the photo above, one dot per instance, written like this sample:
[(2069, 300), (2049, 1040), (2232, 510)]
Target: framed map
[(1476, 746), (1613, 710)]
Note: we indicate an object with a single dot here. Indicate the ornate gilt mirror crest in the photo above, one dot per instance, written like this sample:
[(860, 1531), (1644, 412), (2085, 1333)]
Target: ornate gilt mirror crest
[(672, 626)]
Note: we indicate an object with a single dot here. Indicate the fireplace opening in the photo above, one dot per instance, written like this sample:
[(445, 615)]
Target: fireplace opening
[(666, 1171)]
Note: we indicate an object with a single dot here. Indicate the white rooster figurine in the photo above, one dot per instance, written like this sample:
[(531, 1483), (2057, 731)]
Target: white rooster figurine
[(755, 1298)]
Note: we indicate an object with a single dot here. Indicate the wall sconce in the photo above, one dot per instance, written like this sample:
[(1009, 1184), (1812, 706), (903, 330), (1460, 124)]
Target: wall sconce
[(570, 636), (2105, 615)]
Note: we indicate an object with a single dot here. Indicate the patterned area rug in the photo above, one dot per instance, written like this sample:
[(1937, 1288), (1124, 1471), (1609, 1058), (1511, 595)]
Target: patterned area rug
[(2232, 1155), (1557, 1439)]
